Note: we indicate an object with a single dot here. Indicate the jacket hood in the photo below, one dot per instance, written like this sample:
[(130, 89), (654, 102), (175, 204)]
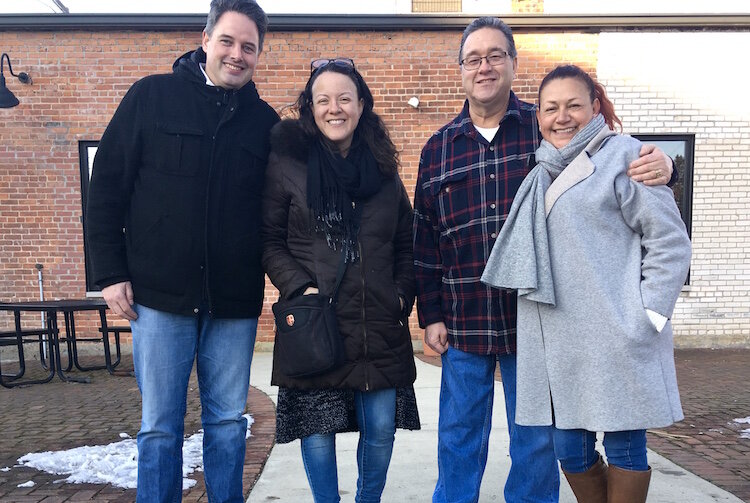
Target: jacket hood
[(288, 138), (188, 67)]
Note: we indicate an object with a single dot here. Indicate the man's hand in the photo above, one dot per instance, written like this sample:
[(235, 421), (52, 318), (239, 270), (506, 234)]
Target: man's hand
[(119, 298), (653, 167), (436, 337)]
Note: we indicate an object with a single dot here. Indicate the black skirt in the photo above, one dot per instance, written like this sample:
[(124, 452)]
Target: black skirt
[(301, 413)]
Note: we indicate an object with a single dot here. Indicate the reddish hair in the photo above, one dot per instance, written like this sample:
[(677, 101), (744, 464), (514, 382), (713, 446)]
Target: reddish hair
[(596, 90)]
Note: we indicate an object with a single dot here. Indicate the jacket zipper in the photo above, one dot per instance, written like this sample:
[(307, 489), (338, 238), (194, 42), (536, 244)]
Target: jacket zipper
[(229, 96), (364, 318)]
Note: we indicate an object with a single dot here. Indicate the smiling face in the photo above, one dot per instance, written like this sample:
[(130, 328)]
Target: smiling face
[(336, 108), (487, 87), (231, 50), (565, 107)]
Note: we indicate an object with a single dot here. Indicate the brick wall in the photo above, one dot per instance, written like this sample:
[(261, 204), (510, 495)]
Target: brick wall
[(79, 78), (657, 87)]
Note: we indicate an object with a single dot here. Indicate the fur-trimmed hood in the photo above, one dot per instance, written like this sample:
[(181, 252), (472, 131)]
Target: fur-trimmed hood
[(288, 138)]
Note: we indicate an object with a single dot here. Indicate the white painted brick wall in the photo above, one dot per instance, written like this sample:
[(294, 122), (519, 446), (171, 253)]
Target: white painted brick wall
[(692, 83)]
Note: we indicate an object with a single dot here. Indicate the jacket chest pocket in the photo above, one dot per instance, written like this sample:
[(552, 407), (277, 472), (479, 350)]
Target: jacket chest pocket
[(178, 149)]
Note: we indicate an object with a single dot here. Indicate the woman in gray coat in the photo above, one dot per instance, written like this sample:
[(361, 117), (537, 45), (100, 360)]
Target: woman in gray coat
[(598, 261)]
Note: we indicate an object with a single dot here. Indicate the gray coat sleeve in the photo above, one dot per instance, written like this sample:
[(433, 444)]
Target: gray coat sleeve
[(652, 212)]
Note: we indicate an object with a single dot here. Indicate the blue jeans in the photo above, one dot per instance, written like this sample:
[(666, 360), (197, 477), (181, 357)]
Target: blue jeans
[(376, 416), (165, 346), (624, 449), (466, 394)]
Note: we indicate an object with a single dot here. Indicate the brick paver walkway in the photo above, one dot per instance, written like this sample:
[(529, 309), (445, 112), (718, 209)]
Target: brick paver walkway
[(59, 415), (715, 390)]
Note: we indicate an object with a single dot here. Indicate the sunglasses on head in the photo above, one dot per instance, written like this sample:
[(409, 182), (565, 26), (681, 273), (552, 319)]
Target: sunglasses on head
[(317, 64)]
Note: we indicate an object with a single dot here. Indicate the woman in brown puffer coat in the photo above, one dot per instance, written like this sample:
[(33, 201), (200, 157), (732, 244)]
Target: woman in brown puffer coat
[(332, 189)]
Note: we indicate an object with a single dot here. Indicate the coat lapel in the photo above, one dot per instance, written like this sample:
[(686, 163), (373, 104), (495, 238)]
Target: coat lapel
[(578, 170)]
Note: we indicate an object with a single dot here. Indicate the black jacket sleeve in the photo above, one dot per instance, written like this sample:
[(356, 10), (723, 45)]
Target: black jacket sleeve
[(115, 169)]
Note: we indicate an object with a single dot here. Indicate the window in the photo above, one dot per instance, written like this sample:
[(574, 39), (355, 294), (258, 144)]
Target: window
[(86, 153), (436, 5), (680, 148)]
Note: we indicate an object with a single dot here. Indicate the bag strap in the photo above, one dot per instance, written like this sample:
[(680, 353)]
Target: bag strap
[(339, 277)]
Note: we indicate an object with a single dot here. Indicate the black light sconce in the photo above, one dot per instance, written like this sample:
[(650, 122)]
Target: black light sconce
[(7, 98)]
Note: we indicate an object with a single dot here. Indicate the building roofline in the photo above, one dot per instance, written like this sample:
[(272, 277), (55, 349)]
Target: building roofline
[(377, 22)]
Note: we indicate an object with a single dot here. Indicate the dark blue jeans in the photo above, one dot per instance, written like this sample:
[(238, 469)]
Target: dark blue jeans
[(376, 416), (624, 449)]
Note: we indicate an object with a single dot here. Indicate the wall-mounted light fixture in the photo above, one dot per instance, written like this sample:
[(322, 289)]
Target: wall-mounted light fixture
[(7, 98), (413, 102)]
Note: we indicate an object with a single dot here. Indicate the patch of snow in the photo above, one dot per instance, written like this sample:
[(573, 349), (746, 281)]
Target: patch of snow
[(743, 420), (30, 483), (6, 469), (115, 463)]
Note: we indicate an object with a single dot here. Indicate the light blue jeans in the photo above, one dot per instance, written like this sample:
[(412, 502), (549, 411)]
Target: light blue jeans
[(624, 449), (165, 346), (376, 416), (466, 396)]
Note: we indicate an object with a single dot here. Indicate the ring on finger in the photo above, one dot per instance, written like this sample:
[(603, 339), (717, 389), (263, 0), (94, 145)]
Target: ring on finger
[(658, 173)]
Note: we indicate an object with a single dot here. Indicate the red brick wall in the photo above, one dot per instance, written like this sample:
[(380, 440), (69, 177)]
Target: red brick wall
[(80, 77)]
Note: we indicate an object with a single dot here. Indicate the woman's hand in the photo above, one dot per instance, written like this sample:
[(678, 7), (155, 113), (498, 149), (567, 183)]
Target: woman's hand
[(310, 290)]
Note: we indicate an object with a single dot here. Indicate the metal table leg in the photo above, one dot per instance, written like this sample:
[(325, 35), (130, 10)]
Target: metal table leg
[(14, 380), (52, 321)]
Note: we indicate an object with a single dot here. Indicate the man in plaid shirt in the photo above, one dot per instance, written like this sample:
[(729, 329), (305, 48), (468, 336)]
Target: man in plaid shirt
[(469, 173)]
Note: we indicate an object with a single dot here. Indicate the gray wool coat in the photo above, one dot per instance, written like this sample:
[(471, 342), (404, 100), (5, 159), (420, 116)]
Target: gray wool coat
[(616, 247)]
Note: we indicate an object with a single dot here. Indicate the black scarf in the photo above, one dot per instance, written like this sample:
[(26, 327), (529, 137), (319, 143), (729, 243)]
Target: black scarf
[(335, 186)]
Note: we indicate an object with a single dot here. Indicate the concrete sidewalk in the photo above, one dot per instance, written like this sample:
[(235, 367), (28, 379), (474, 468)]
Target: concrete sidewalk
[(413, 470)]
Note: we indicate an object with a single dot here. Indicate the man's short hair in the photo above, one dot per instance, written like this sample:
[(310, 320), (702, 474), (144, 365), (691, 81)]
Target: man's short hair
[(250, 8), (488, 22)]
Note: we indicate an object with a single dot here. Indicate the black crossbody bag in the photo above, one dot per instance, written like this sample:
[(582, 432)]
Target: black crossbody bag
[(308, 342)]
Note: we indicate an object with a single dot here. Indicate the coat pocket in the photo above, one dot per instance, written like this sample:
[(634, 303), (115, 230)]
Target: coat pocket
[(179, 149)]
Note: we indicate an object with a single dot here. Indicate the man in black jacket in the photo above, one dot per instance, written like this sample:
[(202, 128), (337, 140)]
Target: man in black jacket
[(174, 228)]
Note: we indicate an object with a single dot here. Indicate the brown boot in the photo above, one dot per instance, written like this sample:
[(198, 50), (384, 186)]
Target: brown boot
[(591, 485), (627, 486)]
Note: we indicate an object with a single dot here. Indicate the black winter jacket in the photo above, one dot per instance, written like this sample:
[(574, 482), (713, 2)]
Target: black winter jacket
[(375, 329), (175, 198)]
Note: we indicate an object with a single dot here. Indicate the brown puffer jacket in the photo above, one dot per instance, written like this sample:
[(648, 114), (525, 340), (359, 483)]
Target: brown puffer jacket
[(374, 327)]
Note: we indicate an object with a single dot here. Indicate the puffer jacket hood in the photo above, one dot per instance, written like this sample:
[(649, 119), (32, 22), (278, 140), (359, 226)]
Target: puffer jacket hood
[(375, 329)]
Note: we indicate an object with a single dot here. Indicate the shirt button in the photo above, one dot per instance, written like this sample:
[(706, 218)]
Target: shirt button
[(196, 310), (492, 176), (492, 148), (492, 206), (447, 189), (493, 235), (218, 103)]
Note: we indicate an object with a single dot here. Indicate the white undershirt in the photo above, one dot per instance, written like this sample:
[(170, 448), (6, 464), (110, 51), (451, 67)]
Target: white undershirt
[(488, 132)]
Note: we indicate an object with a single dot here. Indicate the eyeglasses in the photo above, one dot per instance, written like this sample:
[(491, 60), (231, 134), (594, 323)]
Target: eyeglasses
[(494, 59), (317, 64)]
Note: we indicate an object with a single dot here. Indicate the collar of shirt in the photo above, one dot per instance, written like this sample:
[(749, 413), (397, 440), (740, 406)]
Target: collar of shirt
[(202, 66), (464, 126)]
